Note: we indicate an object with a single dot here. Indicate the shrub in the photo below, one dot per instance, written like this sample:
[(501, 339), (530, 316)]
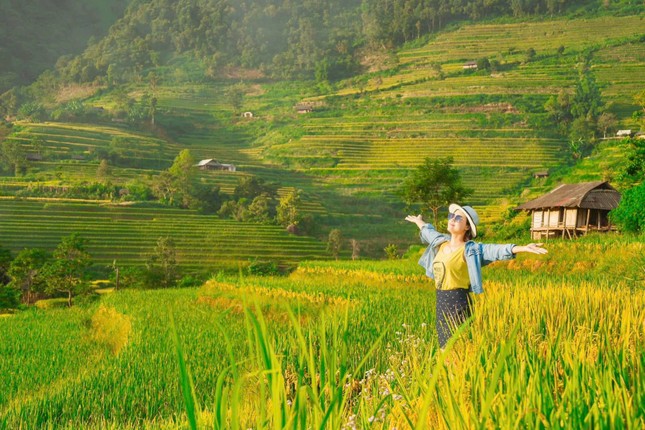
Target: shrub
[(9, 298), (110, 329), (630, 214), (263, 268), (392, 251)]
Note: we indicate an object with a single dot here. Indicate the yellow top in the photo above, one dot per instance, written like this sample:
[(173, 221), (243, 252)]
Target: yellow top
[(450, 269)]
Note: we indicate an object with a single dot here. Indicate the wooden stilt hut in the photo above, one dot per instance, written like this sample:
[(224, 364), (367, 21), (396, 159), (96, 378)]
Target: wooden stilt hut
[(571, 210)]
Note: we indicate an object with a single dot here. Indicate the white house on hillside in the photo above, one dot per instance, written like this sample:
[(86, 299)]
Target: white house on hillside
[(211, 164)]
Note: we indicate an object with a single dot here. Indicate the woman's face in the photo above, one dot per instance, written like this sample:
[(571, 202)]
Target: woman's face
[(458, 224)]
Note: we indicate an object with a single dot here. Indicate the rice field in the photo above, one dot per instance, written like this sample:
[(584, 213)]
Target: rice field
[(343, 345), (129, 234)]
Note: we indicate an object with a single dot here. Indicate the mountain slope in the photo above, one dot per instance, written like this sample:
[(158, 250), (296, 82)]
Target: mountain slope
[(36, 33)]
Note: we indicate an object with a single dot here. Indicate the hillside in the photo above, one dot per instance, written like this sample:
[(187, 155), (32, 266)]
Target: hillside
[(349, 154), (36, 34)]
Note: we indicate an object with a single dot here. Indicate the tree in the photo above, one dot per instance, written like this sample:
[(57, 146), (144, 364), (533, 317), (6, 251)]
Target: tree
[(630, 214), (582, 130), (633, 170), (260, 209), (606, 121), (559, 109), (176, 185), (587, 100), (63, 276), (334, 242), (9, 297), (66, 274), (13, 157), (483, 64), (208, 199), (433, 185), (235, 96), (250, 187), (356, 249), (161, 266), (5, 262), (24, 270), (104, 171), (640, 100), (289, 209)]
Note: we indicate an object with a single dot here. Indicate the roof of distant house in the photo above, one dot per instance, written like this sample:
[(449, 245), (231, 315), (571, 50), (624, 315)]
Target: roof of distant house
[(585, 195)]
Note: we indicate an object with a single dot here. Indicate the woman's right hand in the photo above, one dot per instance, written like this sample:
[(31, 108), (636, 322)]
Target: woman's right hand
[(418, 220)]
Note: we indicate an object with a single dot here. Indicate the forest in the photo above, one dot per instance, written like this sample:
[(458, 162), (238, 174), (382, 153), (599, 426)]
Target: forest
[(277, 38)]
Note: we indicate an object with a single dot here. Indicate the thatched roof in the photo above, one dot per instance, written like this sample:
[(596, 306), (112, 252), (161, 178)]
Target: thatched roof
[(586, 195)]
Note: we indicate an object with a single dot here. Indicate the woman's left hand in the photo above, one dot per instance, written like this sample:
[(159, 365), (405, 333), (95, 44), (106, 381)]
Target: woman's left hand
[(534, 248)]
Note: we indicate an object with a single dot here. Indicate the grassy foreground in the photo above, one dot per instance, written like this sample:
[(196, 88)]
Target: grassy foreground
[(556, 341)]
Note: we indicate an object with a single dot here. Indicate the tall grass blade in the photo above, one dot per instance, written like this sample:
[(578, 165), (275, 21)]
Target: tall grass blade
[(187, 387)]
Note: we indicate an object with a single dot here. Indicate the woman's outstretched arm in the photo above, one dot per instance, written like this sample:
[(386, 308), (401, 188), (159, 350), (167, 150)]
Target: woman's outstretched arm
[(534, 248), (418, 220)]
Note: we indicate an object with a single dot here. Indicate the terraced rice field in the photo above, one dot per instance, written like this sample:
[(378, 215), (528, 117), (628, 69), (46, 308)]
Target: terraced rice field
[(476, 41), (129, 234)]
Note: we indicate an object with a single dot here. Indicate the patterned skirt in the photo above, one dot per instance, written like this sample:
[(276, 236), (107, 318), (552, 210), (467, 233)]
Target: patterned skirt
[(454, 307)]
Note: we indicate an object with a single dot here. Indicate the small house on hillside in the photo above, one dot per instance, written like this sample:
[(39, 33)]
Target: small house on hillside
[(624, 133), (210, 164), (304, 107), (572, 209), (470, 65)]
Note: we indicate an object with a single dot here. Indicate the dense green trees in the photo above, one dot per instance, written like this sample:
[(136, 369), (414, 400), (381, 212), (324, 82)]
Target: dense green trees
[(630, 214), (284, 38), (36, 273), (35, 33), (66, 273), (581, 114)]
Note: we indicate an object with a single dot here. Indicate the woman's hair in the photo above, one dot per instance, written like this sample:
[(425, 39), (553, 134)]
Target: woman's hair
[(468, 235)]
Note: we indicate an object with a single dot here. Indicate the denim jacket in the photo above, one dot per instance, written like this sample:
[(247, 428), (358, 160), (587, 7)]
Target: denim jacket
[(477, 255)]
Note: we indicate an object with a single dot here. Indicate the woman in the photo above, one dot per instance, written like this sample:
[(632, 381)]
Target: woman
[(454, 262)]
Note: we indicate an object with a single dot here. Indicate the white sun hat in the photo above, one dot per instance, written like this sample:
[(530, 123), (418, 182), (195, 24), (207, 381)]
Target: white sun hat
[(471, 214)]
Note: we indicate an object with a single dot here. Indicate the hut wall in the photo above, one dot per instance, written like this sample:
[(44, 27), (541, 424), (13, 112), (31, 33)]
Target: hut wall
[(554, 217), (582, 218), (537, 219), (571, 217)]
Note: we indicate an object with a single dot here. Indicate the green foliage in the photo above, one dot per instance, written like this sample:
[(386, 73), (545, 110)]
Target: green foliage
[(5, 262), (250, 187), (433, 185), (632, 172), (289, 210), (13, 158), (334, 242), (66, 273), (35, 35), (25, 272), (261, 210), (262, 268), (392, 251), (629, 216), (9, 298), (161, 266), (587, 100)]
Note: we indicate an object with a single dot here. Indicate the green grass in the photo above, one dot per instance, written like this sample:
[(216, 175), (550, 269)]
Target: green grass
[(342, 342)]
